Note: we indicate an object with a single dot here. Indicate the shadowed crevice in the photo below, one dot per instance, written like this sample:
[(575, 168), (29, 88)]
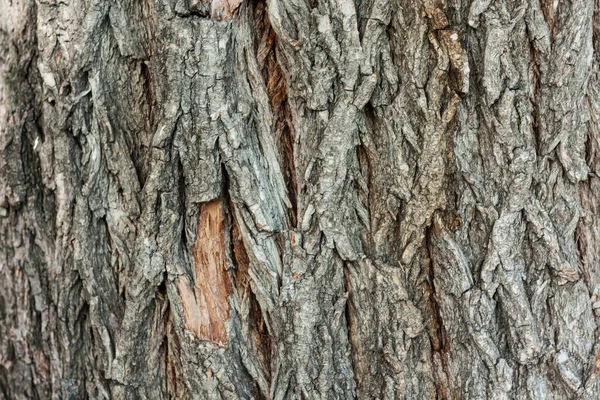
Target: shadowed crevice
[(258, 334), (266, 53), (438, 335)]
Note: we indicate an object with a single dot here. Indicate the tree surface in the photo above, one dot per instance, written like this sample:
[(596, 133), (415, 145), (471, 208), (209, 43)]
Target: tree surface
[(299, 199)]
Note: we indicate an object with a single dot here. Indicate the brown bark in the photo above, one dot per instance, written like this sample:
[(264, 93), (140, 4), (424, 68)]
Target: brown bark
[(311, 199)]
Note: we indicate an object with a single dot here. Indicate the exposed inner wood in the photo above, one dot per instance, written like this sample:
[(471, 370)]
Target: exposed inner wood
[(206, 306)]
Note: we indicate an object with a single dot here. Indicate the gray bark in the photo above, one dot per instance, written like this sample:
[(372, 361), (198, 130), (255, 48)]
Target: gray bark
[(371, 199)]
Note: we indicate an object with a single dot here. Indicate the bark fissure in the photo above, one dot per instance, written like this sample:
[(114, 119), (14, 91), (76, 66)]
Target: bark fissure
[(266, 54), (439, 341)]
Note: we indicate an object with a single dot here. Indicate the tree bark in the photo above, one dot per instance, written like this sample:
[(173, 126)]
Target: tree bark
[(299, 199)]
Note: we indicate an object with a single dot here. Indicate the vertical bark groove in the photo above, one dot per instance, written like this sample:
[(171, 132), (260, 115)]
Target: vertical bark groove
[(266, 54)]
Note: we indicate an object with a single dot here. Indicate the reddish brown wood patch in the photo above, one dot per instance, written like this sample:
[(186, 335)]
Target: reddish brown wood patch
[(206, 306)]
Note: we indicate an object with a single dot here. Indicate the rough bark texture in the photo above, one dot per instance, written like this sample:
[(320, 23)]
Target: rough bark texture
[(299, 199)]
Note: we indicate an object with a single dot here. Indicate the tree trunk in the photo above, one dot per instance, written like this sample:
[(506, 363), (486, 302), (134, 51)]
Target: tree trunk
[(299, 199)]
